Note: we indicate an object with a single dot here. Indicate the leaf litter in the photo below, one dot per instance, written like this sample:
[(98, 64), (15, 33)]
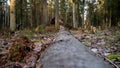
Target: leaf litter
[(106, 43), (19, 51), (22, 52)]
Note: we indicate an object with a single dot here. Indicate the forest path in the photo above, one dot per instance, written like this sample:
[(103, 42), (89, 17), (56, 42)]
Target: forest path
[(68, 52)]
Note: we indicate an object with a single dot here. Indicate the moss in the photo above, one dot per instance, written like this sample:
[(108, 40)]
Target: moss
[(114, 57), (40, 28), (28, 33), (37, 40)]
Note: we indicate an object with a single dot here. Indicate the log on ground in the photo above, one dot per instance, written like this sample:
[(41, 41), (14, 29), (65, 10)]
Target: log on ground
[(68, 52)]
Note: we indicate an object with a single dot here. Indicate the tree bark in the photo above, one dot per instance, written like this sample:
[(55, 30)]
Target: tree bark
[(57, 14), (83, 22), (110, 18), (12, 15), (68, 52), (74, 19), (44, 14)]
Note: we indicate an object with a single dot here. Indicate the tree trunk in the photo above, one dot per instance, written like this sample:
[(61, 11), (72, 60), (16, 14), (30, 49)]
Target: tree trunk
[(74, 16), (57, 14), (83, 23), (12, 15), (37, 12), (66, 17), (31, 14), (68, 52), (110, 19), (44, 13)]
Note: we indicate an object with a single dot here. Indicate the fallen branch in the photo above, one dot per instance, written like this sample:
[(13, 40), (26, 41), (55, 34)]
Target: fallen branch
[(108, 60)]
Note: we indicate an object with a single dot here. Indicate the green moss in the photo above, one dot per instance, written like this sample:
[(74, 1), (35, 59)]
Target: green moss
[(28, 33), (114, 57), (37, 40), (119, 24), (40, 28)]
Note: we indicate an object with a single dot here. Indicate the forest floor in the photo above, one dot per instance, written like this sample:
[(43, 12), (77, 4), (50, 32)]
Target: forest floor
[(23, 48), (105, 43)]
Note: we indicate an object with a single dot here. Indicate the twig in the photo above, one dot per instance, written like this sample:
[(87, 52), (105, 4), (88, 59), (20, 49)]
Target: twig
[(108, 60)]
